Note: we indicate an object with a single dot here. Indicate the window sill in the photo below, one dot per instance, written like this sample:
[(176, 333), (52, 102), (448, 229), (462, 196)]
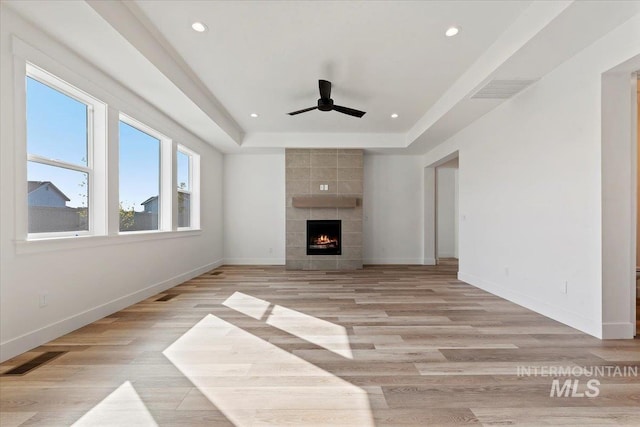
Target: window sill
[(79, 242)]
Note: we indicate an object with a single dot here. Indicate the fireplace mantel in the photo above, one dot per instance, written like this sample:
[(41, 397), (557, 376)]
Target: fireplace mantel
[(324, 202)]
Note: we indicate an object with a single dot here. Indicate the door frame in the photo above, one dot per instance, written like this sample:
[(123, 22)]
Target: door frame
[(430, 254)]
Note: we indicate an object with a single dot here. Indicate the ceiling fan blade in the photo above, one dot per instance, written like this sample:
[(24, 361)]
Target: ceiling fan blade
[(349, 111), (302, 111), (325, 89)]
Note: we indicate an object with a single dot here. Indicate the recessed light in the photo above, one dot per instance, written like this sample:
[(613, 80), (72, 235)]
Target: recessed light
[(394, 116), (199, 27), (451, 31), (254, 115)]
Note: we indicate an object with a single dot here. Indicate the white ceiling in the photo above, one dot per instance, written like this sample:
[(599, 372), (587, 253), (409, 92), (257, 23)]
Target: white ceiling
[(265, 57), (382, 57)]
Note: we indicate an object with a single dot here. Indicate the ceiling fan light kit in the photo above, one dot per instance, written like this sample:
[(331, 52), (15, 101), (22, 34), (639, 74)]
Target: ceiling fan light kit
[(325, 103)]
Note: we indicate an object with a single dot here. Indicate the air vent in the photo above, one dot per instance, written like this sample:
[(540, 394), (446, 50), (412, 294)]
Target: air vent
[(501, 89), (34, 363)]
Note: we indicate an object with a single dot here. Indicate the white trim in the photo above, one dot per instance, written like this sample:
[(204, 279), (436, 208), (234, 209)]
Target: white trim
[(111, 174), (57, 163), (177, 191), (429, 261), (618, 331), (75, 242), (254, 261), (574, 320), (196, 192), (34, 237), (447, 255), (26, 342), (633, 243), (20, 197), (168, 203), (618, 91)]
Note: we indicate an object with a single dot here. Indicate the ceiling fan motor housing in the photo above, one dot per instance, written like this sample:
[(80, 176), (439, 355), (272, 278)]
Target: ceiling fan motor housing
[(325, 104)]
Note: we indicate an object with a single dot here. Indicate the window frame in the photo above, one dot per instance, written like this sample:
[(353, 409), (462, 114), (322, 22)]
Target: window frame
[(165, 199), (194, 188), (96, 119), (110, 99), (188, 153)]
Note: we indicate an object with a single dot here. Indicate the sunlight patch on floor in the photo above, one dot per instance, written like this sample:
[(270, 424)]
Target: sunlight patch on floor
[(309, 328), (312, 329), (254, 382), (246, 304), (122, 407)]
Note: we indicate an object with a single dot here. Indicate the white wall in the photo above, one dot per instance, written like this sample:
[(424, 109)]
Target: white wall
[(393, 204), (88, 278), (530, 189), (254, 209), (447, 217)]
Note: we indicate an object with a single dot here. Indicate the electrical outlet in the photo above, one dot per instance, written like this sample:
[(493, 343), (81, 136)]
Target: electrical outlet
[(43, 299)]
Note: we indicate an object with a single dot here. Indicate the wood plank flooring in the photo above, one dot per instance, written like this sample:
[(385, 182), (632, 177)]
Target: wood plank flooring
[(388, 346)]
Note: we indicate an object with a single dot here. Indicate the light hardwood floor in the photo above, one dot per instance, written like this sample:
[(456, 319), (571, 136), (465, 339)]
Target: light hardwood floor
[(250, 346)]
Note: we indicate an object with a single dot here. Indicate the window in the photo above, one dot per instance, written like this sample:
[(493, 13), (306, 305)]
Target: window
[(140, 168), (184, 188), (59, 122), (66, 145)]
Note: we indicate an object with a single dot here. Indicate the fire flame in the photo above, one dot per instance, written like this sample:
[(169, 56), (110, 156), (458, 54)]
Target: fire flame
[(323, 239)]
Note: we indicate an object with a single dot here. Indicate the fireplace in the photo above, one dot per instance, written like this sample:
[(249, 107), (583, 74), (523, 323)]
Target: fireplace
[(324, 237)]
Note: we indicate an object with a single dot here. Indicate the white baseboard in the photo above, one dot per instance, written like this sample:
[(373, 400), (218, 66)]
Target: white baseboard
[(254, 261), (429, 261), (617, 331), (26, 342), (559, 314), (383, 261)]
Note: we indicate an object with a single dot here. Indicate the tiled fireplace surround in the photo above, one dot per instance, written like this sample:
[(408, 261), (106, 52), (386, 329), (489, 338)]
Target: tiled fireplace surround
[(306, 171)]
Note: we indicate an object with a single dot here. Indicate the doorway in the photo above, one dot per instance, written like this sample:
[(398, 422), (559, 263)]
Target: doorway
[(441, 211), (447, 213)]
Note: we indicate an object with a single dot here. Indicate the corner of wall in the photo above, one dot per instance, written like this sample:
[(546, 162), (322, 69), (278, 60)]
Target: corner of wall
[(559, 314), (26, 342)]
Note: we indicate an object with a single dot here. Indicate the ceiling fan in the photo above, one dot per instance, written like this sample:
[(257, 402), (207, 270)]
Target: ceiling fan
[(325, 103)]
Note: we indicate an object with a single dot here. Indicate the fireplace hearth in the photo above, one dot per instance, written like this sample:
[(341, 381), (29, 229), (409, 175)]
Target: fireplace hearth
[(324, 237)]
